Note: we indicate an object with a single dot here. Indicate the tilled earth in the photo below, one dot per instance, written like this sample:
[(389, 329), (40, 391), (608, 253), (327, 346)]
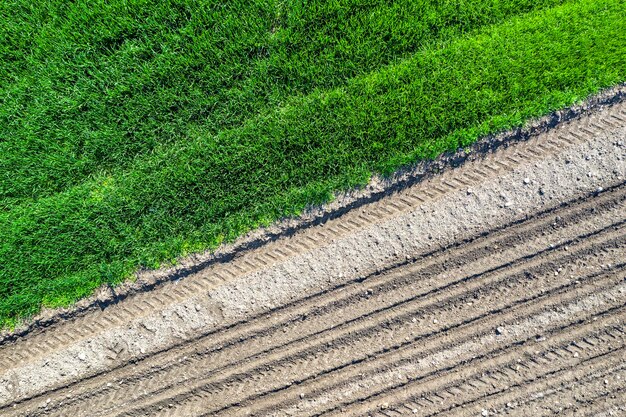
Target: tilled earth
[(495, 288)]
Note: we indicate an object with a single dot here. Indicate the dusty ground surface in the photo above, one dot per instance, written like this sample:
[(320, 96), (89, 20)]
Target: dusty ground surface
[(498, 287)]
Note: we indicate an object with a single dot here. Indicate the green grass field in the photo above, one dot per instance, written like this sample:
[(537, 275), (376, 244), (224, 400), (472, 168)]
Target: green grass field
[(134, 132)]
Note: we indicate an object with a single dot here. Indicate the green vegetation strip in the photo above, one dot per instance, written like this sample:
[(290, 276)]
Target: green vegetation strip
[(151, 142), (100, 85)]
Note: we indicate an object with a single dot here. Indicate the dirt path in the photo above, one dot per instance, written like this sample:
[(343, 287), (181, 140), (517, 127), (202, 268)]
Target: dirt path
[(495, 288)]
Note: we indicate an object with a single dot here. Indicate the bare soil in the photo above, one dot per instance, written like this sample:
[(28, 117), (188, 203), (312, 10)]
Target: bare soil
[(497, 287)]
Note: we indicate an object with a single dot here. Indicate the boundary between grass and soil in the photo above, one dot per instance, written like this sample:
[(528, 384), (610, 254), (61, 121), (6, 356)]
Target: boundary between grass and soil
[(582, 159), (377, 189)]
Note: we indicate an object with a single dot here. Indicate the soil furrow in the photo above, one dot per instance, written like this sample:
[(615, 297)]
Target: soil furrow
[(417, 360), (505, 375), (429, 325), (567, 395), (388, 332), (611, 405)]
